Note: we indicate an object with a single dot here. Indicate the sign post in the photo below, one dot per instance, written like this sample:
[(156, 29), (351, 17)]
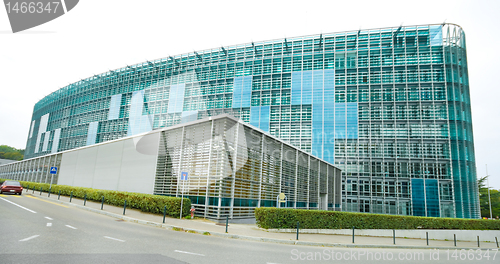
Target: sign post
[(53, 170), (281, 198), (184, 178)]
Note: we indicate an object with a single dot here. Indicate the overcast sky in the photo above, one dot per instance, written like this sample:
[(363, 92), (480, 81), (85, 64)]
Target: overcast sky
[(97, 36)]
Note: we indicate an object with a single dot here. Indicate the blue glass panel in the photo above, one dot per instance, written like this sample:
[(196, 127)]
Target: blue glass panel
[(307, 87), (188, 116), (352, 121), (418, 201), (114, 107), (237, 87), (340, 120), (264, 117), (296, 88), (92, 133), (436, 33), (246, 94), (176, 98), (255, 116), (432, 197)]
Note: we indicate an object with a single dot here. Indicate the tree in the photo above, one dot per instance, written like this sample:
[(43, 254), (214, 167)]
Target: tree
[(484, 201), (7, 152)]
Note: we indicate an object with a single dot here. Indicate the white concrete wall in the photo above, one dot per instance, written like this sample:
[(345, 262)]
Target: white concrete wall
[(116, 165)]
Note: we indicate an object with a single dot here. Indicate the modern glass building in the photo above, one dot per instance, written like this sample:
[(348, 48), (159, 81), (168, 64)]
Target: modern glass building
[(390, 107), (225, 166)]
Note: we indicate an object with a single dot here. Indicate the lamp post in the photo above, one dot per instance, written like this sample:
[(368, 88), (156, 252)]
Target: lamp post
[(489, 197)]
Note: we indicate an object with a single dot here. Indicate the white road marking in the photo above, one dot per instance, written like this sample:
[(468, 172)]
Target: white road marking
[(185, 252), (114, 238), (31, 237), (48, 218), (49, 224), (71, 227), (18, 205)]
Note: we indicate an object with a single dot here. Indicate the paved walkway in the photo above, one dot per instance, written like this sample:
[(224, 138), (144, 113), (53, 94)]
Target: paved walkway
[(252, 232)]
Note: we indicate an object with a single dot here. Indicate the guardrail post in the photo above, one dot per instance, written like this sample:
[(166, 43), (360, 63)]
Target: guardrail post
[(41, 189), (455, 239), (427, 237), (102, 202), (164, 213), (124, 207), (33, 189), (227, 222), (27, 188), (394, 236), (59, 195), (496, 240), (50, 189), (85, 200), (298, 226), (71, 197), (353, 234), (478, 241)]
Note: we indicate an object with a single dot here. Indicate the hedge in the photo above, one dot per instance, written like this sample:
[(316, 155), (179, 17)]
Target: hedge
[(145, 202), (269, 217)]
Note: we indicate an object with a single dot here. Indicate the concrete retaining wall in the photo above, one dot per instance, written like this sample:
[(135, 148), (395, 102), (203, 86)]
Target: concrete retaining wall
[(462, 235)]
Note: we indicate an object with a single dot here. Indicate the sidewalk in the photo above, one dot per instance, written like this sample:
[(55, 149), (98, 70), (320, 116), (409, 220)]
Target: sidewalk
[(254, 233)]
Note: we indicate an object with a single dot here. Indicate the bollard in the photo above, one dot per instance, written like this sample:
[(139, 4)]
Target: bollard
[(353, 234), (41, 189), (455, 239), (394, 236), (478, 241), (71, 196), (227, 222), (298, 226), (164, 213), (427, 237), (50, 189), (59, 195), (33, 189), (102, 202), (85, 200), (124, 207), (496, 240), (27, 188)]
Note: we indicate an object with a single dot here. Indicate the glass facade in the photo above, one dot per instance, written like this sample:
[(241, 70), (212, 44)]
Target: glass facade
[(390, 107)]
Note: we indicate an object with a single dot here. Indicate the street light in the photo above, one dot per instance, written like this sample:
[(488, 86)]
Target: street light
[(489, 197)]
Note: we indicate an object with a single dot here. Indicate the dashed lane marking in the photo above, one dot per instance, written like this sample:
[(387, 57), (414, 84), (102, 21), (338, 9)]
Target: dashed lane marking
[(28, 238), (71, 227), (190, 253), (112, 238)]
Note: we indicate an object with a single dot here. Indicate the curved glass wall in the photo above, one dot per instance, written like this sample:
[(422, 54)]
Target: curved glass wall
[(390, 107)]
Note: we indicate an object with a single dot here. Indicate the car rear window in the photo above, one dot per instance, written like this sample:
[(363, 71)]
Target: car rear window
[(12, 183)]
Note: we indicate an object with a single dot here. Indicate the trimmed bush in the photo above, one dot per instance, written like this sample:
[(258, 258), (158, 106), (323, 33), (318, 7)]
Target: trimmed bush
[(270, 217), (145, 202)]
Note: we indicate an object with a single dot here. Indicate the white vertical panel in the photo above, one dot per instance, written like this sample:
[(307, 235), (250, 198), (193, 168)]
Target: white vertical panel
[(92, 133), (55, 141), (68, 168), (46, 141), (108, 166), (85, 167), (32, 128)]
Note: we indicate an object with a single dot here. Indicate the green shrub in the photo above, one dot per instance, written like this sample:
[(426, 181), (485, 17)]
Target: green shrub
[(145, 202), (268, 217)]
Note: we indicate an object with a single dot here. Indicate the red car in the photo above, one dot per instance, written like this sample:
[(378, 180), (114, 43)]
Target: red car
[(11, 187)]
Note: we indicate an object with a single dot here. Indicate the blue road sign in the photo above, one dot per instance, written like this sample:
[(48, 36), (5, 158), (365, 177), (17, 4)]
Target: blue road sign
[(53, 170), (184, 176)]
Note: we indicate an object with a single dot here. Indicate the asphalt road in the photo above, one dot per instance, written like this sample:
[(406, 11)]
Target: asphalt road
[(33, 230)]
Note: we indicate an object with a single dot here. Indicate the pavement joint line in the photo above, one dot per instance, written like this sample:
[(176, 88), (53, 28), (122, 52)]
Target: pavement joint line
[(257, 239), (29, 210)]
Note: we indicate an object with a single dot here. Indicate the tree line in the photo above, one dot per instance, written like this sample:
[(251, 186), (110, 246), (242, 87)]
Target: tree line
[(484, 201), (10, 153)]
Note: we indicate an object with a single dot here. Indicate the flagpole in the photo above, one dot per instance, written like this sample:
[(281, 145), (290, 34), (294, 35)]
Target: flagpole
[(489, 197)]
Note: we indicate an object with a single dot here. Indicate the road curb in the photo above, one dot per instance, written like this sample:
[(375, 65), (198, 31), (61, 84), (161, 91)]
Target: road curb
[(249, 238)]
